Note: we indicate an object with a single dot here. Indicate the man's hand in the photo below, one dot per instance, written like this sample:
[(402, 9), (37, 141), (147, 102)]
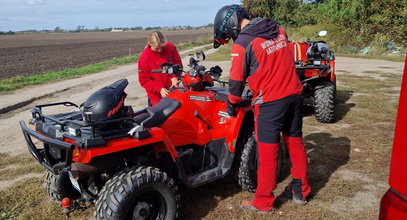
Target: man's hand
[(231, 109), (174, 82), (164, 92)]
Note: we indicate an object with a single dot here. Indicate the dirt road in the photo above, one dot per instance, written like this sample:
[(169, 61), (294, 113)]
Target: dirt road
[(341, 168)]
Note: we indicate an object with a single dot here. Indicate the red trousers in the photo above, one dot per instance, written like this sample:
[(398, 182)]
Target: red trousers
[(280, 117)]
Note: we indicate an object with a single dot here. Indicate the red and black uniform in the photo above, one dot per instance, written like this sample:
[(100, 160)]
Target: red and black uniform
[(151, 60), (261, 56)]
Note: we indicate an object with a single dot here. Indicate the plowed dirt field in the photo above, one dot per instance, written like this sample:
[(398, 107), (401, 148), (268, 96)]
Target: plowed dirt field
[(29, 54)]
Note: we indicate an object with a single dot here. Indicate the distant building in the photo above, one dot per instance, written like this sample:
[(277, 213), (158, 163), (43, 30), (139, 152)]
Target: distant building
[(116, 30)]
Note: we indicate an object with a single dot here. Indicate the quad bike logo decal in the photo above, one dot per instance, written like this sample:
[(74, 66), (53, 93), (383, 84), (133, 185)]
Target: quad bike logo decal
[(116, 109), (223, 114), (200, 98)]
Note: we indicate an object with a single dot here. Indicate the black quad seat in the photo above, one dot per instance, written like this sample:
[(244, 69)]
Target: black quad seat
[(160, 112)]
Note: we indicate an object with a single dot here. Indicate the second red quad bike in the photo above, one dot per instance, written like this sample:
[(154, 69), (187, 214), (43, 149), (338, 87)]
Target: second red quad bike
[(130, 164), (315, 65)]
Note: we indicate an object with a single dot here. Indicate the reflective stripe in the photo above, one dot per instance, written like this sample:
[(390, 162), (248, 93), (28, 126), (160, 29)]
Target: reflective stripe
[(295, 51), (299, 51)]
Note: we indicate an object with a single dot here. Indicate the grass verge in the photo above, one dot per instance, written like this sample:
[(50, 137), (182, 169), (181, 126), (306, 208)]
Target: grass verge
[(206, 39), (21, 81), (222, 54), (378, 48), (13, 167), (27, 199)]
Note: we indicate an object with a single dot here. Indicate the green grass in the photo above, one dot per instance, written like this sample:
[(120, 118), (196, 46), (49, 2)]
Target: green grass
[(12, 167), (18, 82), (336, 37), (27, 199), (305, 32), (189, 45), (7, 160), (222, 54), (207, 47), (21, 81)]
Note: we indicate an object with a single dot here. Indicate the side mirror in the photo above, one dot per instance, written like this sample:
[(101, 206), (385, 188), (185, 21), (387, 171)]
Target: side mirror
[(200, 55), (192, 61), (216, 72), (322, 33)]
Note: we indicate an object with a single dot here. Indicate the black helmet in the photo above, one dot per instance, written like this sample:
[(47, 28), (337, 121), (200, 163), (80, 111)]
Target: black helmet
[(227, 23), (106, 103)]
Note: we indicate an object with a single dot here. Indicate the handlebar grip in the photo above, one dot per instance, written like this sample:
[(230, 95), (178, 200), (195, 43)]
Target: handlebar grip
[(244, 103), (174, 88)]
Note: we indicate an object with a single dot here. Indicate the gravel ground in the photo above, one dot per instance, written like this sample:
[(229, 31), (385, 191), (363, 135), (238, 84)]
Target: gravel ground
[(347, 175)]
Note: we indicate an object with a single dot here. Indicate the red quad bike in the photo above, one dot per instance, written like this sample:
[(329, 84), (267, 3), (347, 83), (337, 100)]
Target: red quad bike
[(130, 164), (315, 65)]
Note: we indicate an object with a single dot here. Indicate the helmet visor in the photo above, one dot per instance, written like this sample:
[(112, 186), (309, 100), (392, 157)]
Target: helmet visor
[(223, 39)]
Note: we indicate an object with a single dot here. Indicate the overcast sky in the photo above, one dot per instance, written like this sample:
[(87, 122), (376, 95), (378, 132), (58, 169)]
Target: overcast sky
[(18, 15)]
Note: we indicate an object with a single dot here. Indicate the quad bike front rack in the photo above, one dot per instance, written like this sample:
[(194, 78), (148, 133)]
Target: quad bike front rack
[(42, 155)]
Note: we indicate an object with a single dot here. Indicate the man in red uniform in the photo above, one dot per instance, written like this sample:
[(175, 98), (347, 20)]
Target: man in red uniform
[(260, 55), (157, 52)]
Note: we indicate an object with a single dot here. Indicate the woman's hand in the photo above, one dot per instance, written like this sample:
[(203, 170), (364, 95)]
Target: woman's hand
[(164, 92), (174, 82)]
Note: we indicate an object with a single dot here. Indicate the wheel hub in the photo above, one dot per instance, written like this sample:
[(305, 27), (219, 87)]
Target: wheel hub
[(141, 211)]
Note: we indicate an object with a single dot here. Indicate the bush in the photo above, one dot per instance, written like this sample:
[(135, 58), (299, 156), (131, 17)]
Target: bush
[(369, 22)]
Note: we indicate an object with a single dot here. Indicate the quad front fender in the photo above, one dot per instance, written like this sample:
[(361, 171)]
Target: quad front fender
[(235, 125)]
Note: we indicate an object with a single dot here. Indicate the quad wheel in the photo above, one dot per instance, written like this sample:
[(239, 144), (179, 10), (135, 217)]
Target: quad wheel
[(139, 193), (60, 186), (248, 165), (325, 101)]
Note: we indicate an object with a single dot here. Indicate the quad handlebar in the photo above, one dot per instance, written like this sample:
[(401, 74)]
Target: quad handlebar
[(197, 77)]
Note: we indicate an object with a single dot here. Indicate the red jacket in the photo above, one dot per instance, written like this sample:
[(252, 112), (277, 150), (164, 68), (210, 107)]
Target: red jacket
[(151, 60), (261, 56)]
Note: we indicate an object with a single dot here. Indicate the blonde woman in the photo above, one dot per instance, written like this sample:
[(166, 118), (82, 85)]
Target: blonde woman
[(157, 52)]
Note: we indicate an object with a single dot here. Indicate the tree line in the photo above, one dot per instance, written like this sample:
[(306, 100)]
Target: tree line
[(82, 28), (364, 20)]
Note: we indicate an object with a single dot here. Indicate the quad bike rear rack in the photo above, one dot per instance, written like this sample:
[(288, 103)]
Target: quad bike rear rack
[(322, 68), (37, 114)]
